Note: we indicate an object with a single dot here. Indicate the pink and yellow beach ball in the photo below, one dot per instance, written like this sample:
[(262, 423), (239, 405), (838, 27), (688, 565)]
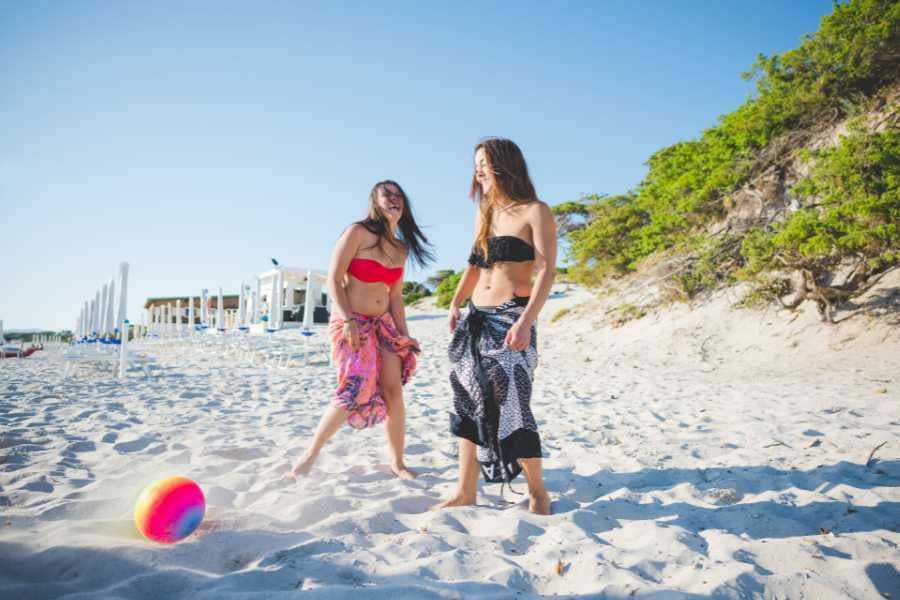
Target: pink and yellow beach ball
[(169, 510)]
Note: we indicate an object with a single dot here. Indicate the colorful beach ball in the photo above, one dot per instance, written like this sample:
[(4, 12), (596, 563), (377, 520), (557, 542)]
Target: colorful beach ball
[(169, 510)]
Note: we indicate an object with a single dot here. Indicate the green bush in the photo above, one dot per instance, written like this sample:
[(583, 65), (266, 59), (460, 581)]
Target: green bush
[(413, 291), (855, 191), (446, 289), (436, 279), (560, 314)]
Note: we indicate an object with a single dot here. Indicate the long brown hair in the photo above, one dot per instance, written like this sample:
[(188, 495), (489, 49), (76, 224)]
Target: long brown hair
[(511, 183), (408, 233)]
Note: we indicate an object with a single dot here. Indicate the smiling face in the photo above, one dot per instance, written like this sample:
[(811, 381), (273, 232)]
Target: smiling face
[(484, 174), (390, 202)]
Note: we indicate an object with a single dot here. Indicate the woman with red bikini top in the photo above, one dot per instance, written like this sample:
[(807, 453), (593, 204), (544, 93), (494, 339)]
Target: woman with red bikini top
[(371, 346)]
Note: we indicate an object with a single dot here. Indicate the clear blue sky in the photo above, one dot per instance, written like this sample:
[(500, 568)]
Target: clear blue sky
[(197, 140)]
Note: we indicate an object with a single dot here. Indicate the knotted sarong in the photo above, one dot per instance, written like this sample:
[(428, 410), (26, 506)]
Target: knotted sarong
[(492, 389), (359, 389)]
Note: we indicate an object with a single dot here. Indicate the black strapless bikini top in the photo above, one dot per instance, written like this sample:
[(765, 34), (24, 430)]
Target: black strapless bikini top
[(502, 248)]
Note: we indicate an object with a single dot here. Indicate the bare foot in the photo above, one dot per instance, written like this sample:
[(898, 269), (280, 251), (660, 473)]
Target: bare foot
[(403, 472), (540, 504), (457, 500), (303, 465)]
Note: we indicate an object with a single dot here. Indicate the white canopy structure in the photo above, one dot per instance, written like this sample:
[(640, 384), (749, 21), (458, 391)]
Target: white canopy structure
[(294, 297)]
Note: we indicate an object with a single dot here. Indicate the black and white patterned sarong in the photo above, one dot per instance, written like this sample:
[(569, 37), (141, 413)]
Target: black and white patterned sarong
[(492, 389)]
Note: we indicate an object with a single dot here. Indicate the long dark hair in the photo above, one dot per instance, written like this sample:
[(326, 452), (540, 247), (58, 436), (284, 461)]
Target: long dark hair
[(511, 182), (408, 233)]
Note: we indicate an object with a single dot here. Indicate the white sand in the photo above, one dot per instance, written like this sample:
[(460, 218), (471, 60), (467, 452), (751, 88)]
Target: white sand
[(689, 454)]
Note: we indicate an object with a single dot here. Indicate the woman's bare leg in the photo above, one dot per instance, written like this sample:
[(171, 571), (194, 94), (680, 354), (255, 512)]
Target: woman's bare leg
[(539, 499), (330, 422), (395, 425), (468, 476)]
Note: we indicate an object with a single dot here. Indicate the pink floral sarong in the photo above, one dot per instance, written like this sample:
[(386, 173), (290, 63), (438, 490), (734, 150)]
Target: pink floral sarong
[(359, 390)]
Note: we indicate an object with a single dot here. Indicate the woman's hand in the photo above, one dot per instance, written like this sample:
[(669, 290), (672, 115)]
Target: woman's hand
[(415, 345), (519, 336), (351, 334), (454, 317)]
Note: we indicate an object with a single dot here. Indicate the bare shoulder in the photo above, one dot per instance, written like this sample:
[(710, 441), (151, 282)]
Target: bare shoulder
[(355, 230), (356, 234), (539, 210)]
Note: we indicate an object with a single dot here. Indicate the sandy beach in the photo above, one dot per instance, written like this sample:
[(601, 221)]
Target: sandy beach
[(693, 453)]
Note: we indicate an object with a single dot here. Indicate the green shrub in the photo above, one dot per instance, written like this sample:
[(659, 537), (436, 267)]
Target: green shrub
[(446, 289), (560, 314), (413, 291), (625, 313), (853, 193)]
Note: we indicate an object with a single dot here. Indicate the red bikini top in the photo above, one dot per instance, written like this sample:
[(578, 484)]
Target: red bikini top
[(370, 271)]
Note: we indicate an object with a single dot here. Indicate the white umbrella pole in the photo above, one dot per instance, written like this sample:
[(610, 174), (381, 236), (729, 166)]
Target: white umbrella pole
[(178, 316), (220, 312), (273, 294), (95, 316), (98, 318), (191, 315), (257, 302), (309, 304), (123, 299), (204, 308), (110, 308), (279, 316), (101, 315), (123, 350), (242, 308)]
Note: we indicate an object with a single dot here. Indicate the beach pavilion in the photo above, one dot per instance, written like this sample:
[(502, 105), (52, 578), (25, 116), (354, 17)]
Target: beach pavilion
[(295, 283)]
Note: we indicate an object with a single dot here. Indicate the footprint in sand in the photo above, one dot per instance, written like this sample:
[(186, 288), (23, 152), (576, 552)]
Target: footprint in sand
[(39, 485), (417, 449), (134, 445), (241, 454), (412, 506), (78, 447)]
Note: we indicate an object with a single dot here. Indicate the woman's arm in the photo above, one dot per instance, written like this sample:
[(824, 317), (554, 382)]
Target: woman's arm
[(543, 229), (344, 251)]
